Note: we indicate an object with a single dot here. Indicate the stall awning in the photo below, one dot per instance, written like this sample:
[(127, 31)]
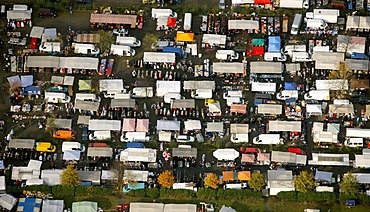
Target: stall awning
[(215, 127), (283, 157), (142, 125), (22, 143), (258, 67), (114, 19), (104, 125), (168, 125), (193, 125), (62, 123), (43, 61), (284, 126), (184, 152), (273, 109), (138, 155), (341, 109), (238, 108), (359, 84), (36, 32), (263, 157), (243, 24), (19, 14), (86, 105), (99, 152), (313, 109), (213, 39), (228, 175), (125, 103), (184, 37), (171, 22), (204, 84), (88, 63), (239, 128), (228, 68), (83, 119), (128, 125), (88, 38), (248, 158), (183, 103), (159, 57), (226, 154), (164, 136)]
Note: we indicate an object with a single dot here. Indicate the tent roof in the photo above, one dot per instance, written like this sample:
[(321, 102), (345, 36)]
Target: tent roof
[(262, 1), (88, 38), (125, 103), (43, 61), (238, 108), (279, 175), (148, 207), (113, 19), (111, 85), (214, 39), (184, 37), (274, 44), (29, 204), (226, 154), (71, 155), (84, 206), (258, 42), (164, 136), (135, 175), (313, 108), (51, 176), (171, 22), (323, 176), (168, 125), (284, 126), (86, 105), (22, 143), (283, 157), (248, 158), (139, 155), (57, 80), (104, 125), (261, 67), (34, 181), (243, 24), (7, 201), (83, 119), (353, 22), (164, 87), (228, 176), (274, 109), (36, 32), (159, 57), (128, 125), (215, 127), (180, 208), (193, 125), (142, 125), (183, 103), (232, 67), (52, 205), (19, 14), (109, 174), (184, 152), (239, 128), (340, 109), (360, 83), (244, 175), (84, 85), (62, 123), (89, 63), (90, 176), (204, 84), (99, 152)]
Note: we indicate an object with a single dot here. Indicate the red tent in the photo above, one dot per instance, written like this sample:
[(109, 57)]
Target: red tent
[(262, 1), (171, 22), (256, 51)]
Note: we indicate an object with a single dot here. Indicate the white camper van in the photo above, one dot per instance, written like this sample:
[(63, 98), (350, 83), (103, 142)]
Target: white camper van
[(287, 94), (267, 139), (301, 57), (100, 135), (163, 13), (128, 41), (72, 146), (55, 97), (202, 94), (239, 137), (50, 47), (296, 24), (134, 137), (120, 50), (85, 48), (87, 97), (354, 142), (316, 23), (317, 95), (227, 55), (187, 21), (142, 92)]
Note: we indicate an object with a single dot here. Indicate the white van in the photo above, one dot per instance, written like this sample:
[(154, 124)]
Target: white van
[(235, 185), (50, 47), (228, 94), (267, 139), (120, 50), (301, 57), (142, 92), (341, 102), (320, 95), (187, 21), (187, 186), (296, 24), (55, 97), (238, 137), (122, 96), (275, 56), (287, 94), (170, 96), (184, 138), (289, 49), (72, 146), (316, 23), (233, 100), (100, 135), (128, 41), (163, 13), (134, 137), (227, 55), (354, 142), (85, 48), (87, 97), (202, 94)]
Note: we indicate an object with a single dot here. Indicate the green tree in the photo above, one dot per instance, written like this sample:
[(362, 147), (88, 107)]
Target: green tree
[(148, 40), (166, 179), (211, 181), (257, 182), (343, 73), (349, 184), (106, 39), (50, 124), (69, 177), (305, 182)]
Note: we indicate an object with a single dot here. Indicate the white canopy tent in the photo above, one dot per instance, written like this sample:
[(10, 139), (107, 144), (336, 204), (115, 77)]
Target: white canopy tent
[(180, 208), (104, 125), (284, 126), (51, 177), (124, 103), (83, 119), (36, 32), (7, 201), (100, 152), (52, 205), (283, 157), (261, 67), (168, 125), (362, 161), (226, 154), (326, 137), (111, 85), (135, 175), (147, 207), (71, 155), (42, 62), (215, 127), (333, 85), (314, 109), (90, 176), (213, 39), (86, 105), (231, 67), (159, 57), (243, 24), (62, 123), (22, 143), (194, 85), (273, 109), (239, 128), (341, 109), (355, 64), (184, 152), (89, 63), (328, 60), (182, 103), (357, 133), (19, 14), (164, 87), (325, 159), (138, 155), (279, 180), (263, 87), (164, 136), (193, 125), (294, 4)]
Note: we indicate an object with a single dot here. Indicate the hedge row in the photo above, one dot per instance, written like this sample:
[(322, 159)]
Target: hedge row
[(308, 196), (202, 193)]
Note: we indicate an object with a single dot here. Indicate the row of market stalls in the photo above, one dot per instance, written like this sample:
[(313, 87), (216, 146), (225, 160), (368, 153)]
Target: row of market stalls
[(160, 207), (87, 63)]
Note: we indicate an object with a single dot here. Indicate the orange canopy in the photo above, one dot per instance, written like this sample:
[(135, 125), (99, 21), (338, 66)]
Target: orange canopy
[(228, 176), (184, 37), (244, 175)]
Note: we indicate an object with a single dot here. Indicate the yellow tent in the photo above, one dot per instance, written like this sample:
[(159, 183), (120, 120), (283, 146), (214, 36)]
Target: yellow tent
[(184, 37)]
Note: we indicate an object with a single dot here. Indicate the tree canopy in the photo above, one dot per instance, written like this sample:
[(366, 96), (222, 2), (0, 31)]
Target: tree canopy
[(305, 182), (211, 181), (257, 182), (69, 177), (166, 179), (349, 184)]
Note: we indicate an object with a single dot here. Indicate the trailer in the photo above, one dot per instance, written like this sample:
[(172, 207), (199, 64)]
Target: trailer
[(187, 21)]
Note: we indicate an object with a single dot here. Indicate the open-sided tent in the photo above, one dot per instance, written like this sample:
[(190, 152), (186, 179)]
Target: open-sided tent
[(84, 85), (284, 126), (274, 44), (226, 154), (279, 180), (204, 84), (89, 63), (164, 87), (114, 19), (128, 125), (42, 62), (164, 136), (180, 208), (26, 80), (326, 159), (22, 143), (14, 82), (58, 80), (19, 15), (273, 109), (52, 205), (148, 207), (100, 152), (238, 108), (142, 125), (323, 176), (104, 125), (86, 105), (184, 152), (261, 67), (213, 39), (183, 103), (62, 123), (168, 125), (341, 109), (232, 67), (159, 57), (84, 206), (283, 157), (135, 175), (215, 127), (124, 103), (239, 128), (51, 177), (36, 32), (90, 176), (7, 201), (88, 38), (193, 125), (138, 155), (71, 155), (83, 119), (243, 24)]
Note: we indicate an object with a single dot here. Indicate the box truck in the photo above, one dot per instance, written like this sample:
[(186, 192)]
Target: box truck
[(296, 24), (84, 48), (187, 21), (128, 41), (120, 50)]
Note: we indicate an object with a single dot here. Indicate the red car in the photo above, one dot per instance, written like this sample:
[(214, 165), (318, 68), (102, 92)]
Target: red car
[(33, 44)]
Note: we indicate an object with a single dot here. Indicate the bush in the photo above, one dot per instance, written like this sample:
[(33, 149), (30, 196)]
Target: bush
[(287, 195), (63, 191), (137, 193), (343, 197), (176, 193), (364, 199), (235, 194), (152, 192), (207, 194), (35, 188), (14, 189)]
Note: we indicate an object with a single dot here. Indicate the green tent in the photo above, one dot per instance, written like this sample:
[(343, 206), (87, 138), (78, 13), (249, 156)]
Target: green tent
[(258, 42), (84, 85), (84, 206)]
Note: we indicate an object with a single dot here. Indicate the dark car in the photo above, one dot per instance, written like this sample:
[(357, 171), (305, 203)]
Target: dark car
[(84, 134), (45, 12), (84, 1)]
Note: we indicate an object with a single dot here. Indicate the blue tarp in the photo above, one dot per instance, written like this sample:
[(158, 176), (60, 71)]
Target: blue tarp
[(134, 145), (32, 90), (85, 184), (28, 205), (291, 86), (274, 44)]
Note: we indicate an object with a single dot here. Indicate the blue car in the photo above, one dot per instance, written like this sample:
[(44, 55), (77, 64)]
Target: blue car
[(85, 135)]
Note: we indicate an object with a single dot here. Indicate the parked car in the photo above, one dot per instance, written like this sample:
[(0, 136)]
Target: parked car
[(120, 32), (85, 135), (45, 147)]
